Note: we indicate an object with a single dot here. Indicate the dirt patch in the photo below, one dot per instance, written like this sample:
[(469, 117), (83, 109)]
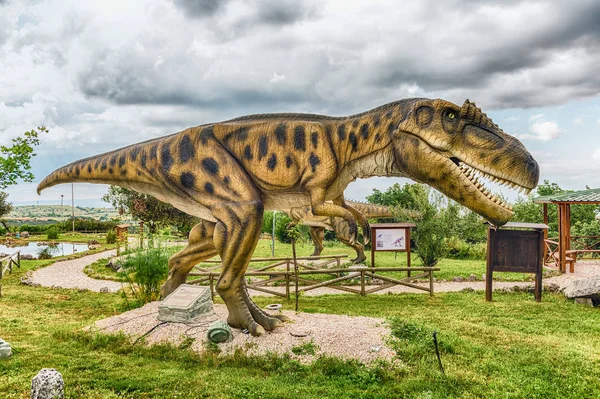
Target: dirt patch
[(305, 338)]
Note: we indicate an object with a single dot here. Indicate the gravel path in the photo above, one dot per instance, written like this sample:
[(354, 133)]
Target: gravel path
[(69, 274), (348, 337)]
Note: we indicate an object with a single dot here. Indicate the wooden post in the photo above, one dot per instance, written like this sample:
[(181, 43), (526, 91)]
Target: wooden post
[(408, 249), (545, 207), (562, 245), (287, 279), (362, 283), (373, 243), (212, 290), (568, 235), (538, 274), (430, 283)]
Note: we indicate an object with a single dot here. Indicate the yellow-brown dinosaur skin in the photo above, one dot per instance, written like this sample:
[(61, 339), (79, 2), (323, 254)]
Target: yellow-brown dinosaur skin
[(227, 173), (318, 225)]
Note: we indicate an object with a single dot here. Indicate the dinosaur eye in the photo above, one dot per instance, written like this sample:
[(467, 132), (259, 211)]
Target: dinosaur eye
[(451, 115)]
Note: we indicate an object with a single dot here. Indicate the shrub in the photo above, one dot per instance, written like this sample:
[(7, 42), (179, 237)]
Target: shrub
[(281, 222), (52, 233), (145, 271), (111, 237)]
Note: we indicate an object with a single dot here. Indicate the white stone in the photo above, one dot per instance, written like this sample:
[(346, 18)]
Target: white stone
[(5, 350), (48, 384), (584, 288), (187, 304)]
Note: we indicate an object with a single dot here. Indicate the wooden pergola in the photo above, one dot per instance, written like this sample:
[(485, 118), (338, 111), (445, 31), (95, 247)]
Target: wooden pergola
[(563, 254)]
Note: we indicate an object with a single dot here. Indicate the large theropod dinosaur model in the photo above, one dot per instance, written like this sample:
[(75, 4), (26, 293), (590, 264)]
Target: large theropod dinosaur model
[(318, 225), (227, 173)]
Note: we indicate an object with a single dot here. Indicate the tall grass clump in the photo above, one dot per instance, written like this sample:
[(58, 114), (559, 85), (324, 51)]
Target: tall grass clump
[(145, 271), (52, 233)]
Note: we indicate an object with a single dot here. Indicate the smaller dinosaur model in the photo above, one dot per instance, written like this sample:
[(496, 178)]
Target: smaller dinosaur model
[(318, 225)]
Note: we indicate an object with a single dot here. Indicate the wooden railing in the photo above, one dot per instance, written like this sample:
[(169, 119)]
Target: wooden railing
[(282, 272), (580, 246), (6, 265)]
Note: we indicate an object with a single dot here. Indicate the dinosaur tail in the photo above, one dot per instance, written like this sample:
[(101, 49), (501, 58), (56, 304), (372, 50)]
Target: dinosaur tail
[(128, 164), (372, 211)]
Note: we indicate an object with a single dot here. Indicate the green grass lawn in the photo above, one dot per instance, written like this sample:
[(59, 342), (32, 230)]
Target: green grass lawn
[(511, 348)]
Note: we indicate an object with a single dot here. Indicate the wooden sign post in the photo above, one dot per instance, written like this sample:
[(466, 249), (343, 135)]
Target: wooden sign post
[(515, 247), (391, 237)]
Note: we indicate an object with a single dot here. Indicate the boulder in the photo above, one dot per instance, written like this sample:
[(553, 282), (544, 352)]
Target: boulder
[(5, 350), (472, 277), (48, 384), (585, 288), (458, 279)]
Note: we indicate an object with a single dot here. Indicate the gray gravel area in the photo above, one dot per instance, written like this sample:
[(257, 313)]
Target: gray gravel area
[(348, 337), (69, 274)]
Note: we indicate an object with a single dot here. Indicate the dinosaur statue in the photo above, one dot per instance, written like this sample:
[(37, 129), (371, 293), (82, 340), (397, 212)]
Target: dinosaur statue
[(318, 224), (227, 173)]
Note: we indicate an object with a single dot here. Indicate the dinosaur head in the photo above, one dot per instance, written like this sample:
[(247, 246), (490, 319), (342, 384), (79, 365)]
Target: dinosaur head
[(454, 148)]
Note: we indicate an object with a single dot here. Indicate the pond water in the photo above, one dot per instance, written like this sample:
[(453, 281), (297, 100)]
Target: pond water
[(32, 248)]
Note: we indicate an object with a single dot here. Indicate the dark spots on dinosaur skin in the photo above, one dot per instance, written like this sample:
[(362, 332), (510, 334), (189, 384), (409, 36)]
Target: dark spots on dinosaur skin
[(139, 173), (482, 155), (242, 133), (263, 147), (77, 171), (153, 151), (355, 123), (97, 163), (187, 180), (272, 162), (209, 188), (314, 138), (104, 166), (377, 138), (376, 120), (288, 161), (391, 127), (226, 180), (143, 160), (313, 160), (122, 160), (89, 168), (133, 154), (123, 172), (166, 158), (353, 141), (248, 153), (110, 170), (388, 114), (497, 159), (364, 131), (280, 131), (206, 134), (300, 138), (186, 149), (341, 131), (210, 166), (113, 160)]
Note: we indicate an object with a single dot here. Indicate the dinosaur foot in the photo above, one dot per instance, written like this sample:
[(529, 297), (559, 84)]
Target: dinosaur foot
[(243, 313), (359, 259)]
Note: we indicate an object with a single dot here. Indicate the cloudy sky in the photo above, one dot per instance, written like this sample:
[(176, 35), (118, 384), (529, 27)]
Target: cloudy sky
[(105, 74)]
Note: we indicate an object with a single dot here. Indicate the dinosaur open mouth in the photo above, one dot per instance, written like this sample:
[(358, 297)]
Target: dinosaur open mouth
[(477, 177)]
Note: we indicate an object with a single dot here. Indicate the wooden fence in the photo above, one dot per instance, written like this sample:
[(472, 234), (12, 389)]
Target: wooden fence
[(282, 272), (7, 263)]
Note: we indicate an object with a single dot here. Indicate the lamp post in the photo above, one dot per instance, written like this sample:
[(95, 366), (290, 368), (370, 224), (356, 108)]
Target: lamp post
[(73, 205), (273, 235)]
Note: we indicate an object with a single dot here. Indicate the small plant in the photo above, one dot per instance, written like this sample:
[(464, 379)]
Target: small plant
[(52, 233), (111, 237), (145, 271), (45, 253), (307, 348)]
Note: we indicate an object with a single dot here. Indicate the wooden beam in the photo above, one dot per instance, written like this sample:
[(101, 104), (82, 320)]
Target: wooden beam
[(545, 207)]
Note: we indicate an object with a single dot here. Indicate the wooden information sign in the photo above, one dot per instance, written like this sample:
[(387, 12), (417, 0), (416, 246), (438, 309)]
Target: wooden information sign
[(515, 247), (391, 237)]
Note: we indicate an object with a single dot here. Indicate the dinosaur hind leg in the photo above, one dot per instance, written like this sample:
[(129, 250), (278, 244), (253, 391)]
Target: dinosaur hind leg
[(200, 247), (316, 234), (236, 236), (342, 232)]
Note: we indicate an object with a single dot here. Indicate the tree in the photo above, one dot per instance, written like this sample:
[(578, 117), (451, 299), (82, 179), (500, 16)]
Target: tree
[(147, 209), (15, 161), (15, 164)]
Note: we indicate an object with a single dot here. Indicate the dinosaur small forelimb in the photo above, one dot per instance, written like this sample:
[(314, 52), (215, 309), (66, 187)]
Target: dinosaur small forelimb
[(358, 216), (329, 209)]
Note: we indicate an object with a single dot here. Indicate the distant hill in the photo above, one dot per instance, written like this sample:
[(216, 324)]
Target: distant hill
[(56, 212)]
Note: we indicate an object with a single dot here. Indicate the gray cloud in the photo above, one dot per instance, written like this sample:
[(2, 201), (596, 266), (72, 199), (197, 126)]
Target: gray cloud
[(200, 8)]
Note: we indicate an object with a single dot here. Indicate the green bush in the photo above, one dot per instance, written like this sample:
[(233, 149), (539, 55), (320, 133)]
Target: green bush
[(145, 271), (52, 233), (45, 253), (460, 249), (111, 237), (281, 222)]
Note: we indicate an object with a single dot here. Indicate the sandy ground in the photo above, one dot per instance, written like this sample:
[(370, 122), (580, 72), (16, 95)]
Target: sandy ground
[(347, 337)]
